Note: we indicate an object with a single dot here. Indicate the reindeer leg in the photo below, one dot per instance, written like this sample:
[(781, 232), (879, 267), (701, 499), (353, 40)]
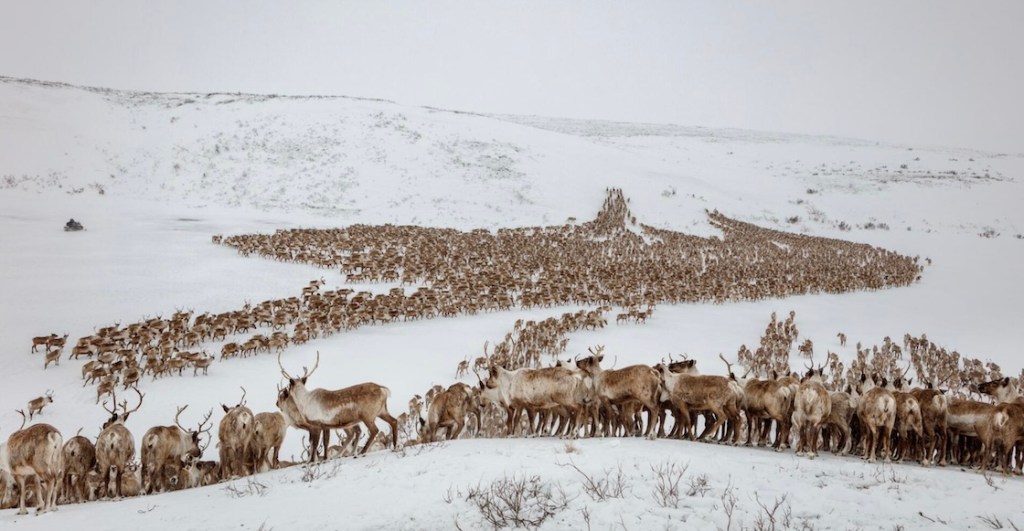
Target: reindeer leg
[(372, 431)]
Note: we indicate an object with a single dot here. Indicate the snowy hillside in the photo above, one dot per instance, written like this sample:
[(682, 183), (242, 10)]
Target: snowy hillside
[(154, 176)]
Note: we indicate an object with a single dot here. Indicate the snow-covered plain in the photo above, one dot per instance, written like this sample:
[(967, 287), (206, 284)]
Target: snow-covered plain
[(153, 176)]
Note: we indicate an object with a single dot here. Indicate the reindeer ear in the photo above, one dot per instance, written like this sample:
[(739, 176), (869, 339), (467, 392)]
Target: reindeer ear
[(481, 382), (1006, 381), (910, 381), (303, 380), (225, 408)]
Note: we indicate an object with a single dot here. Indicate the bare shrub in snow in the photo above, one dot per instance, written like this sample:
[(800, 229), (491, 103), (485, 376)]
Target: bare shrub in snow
[(611, 483), (667, 477), (251, 486), (518, 501), (778, 516), (318, 470)]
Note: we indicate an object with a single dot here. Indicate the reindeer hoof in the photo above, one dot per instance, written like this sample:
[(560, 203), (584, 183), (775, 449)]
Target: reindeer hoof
[(799, 454)]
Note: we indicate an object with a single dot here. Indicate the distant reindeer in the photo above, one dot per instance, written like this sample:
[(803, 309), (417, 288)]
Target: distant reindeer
[(36, 405), (41, 340)]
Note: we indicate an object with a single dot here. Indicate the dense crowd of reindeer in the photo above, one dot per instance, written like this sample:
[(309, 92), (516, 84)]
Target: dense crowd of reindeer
[(966, 413), (609, 262)]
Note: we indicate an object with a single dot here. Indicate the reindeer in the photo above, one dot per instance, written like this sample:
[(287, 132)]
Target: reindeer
[(36, 405), (909, 426), (839, 421), (115, 446), (79, 459), (34, 451), (636, 383), (534, 390), (166, 447), (56, 343), (812, 407), (294, 418), (341, 408), (42, 340), (447, 410), (52, 356), (876, 410), (235, 435), (1007, 421), (268, 436), (770, 400), (712, 394)]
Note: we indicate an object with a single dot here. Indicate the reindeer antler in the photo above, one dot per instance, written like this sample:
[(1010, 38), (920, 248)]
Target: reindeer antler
[(728, 366), (180, 409), (141, 396), (284, 372), (203, 423), (23, 419), (307, 374), (242, 401)]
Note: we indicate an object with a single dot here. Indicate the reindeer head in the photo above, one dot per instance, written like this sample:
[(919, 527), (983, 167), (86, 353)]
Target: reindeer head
[(241, 402), (196, 451), (120, 418), (293, 381), (49, 396)]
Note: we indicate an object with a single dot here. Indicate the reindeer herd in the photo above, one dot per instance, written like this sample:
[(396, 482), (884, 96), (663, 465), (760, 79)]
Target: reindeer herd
[(876, 416), (869, 408)]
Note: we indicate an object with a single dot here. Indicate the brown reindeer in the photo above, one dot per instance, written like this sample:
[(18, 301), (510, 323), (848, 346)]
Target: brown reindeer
[(341, 408), (115, 446), (79, 459), (534, 391), (812, 407), (52, 356), (36, 405), (698, 393), (447, 410), (268, 436), (34, 452), (766, 401), (42, 340), (876, 410), (166, 447), (235, 435), (838, 424), (294, 418), (617, 387)]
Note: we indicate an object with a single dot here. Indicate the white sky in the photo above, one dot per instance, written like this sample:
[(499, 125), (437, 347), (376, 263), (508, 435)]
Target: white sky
[(923, 71)]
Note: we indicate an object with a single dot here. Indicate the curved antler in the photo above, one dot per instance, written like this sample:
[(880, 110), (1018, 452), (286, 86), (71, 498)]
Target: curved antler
[(141, 396), (242, 401), (728, 366), (315, 365), (180, 409), (111, 411), (24, 419), (284, 372)]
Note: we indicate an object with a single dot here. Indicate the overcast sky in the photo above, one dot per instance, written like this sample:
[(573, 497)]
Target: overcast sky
[(924, 71)]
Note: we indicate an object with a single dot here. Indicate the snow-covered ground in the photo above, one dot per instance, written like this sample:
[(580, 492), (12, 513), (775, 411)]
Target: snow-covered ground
[(152, 177)]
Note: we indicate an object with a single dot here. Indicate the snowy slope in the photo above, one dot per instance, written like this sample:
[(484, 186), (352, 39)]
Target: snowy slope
[(153, 176)]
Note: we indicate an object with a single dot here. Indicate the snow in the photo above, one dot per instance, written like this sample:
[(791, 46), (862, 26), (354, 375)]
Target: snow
[(175, 169)]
